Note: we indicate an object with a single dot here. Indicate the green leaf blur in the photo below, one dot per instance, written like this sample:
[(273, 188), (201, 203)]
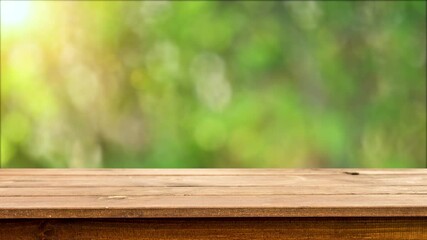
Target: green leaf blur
[(213, 84)]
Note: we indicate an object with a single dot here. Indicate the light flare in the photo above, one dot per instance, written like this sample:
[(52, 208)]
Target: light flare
[(14, 13)]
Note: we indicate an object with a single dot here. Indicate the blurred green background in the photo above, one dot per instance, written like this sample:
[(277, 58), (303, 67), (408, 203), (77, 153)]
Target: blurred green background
[(213, 84)]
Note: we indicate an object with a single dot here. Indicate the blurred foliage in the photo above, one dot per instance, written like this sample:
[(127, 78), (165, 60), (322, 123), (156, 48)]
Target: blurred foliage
[(213, 84)]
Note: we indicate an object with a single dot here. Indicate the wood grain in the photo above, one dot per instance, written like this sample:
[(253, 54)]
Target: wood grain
[(219, 228), (335, 180), (211, 191), (178, 193)]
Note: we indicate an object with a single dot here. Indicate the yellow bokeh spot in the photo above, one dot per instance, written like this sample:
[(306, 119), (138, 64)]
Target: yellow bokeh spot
[(137, 79)]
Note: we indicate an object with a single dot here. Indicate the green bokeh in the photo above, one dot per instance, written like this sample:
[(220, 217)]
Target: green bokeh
[(215, 84)]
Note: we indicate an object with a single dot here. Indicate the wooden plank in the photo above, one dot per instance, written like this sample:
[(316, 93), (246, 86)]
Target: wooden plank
[(213, 206), (222, 181), (145, 193), (213, 191), (230, 228), (210, 213), (209, 172)]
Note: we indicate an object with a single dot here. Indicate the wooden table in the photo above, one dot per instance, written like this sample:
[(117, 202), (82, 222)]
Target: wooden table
[(213, 204)]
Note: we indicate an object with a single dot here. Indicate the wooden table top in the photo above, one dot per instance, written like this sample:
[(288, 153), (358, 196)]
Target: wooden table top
[(183, 193)]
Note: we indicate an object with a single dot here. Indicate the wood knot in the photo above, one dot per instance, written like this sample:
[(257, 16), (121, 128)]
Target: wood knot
[(45, 230), (352, 173)]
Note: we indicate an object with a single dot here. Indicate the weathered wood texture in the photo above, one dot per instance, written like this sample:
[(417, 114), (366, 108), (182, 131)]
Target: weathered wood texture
[(213, 228), (175, 193)]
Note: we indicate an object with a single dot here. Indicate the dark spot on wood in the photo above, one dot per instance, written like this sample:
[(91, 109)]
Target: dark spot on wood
[(45, 230), (352, 173)]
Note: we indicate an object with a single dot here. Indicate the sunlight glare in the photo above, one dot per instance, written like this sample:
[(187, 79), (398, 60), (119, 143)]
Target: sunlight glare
[(14, 13)]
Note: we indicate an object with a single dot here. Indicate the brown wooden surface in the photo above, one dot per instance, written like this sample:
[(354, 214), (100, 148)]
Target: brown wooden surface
[(213, 228), (180, 193)]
